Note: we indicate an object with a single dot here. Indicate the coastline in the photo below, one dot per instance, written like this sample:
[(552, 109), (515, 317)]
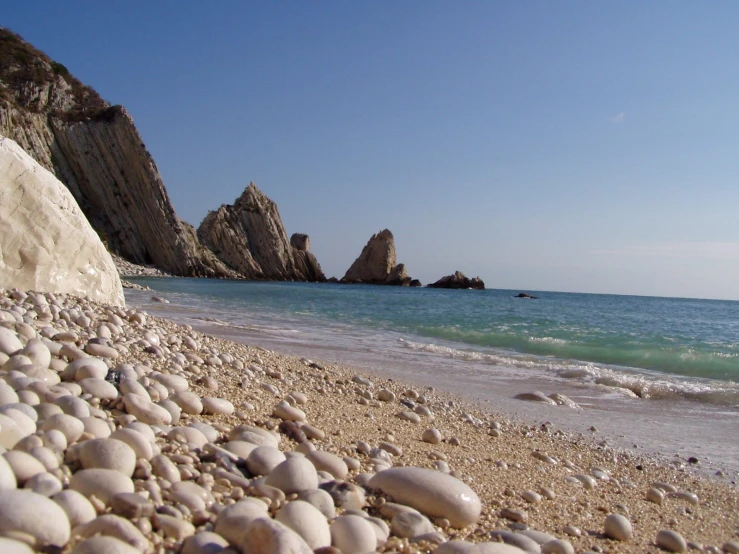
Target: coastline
[(481, 460)]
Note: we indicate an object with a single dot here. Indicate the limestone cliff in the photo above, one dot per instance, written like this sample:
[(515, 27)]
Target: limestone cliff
[(96, 151), (376, 265), (249, 237)]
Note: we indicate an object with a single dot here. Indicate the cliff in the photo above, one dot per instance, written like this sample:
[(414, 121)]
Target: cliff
[(96, 151), (376, 265), (249, 237)]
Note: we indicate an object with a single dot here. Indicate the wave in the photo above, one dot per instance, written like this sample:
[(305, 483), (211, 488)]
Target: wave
[(623, 380)]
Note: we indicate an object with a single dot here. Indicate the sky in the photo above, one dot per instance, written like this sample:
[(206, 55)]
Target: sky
[(572, 146)]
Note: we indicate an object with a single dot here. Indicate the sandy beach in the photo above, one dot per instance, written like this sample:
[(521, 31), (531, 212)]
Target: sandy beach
[(528, 478)]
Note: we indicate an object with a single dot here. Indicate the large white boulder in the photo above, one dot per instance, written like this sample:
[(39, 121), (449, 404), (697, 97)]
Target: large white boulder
[(46, 243)]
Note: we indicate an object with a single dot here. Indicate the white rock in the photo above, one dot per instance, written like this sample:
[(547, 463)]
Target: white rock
[(139, 443), (98, 428), (172, 382), (231, 522), (557, 546), (672, 541), (9, 341), (10, 432), (306, 521), (46, 240), (69, 426), (7, 476), (266, 536), (218, 406), (104, 544), (321, 500), (172, 527), (108, 454), (293, 476), (114, 526), (410, 524), (618, 527), (285, 411), (44, 484), (103, 483), (189, 402), (326, 461), (146, 411), (204, 543), (192, 436), (10, 546), (79, 510), (99, 388), (353, 535), (431, 436), (23, 511), (263, 459), (430, 492), (24, 465)]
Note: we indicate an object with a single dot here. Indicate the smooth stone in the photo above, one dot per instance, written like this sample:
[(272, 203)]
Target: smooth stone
[(493, 548), (101, 350), (204, 543), (267, 536), (146, 411), (172, 527), (172, 382), (536, 396), (231, 523), (208, 430), (523, 542), (410, 524), (241, 448), (9, 342), (104, 484), (217, 406), (79, 510), (141, 446), (618, 527), (454, 547), (385, 395), (25, 512), (98, 428), (114, 526), (557, 546), (10, 432), (655, 495), (257, 435), (671, 541), (192, 436), (345, 495), (409, 416), (7, 475), (307, 521), (71, 427), (190, 487), (104, 545), (263, 459), (44, 484), (99, 388), (189, 402), (431, 436), (108, 454), (23, 465), (432, 493), (285, 411), (293, 476), (321, 500), (10, 546), (85, 368), (129, 385), (164, 468), (331, 463), (353, 534)]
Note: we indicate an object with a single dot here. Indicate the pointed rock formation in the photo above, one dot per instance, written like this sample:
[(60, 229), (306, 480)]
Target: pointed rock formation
[(458, 281), (376, 265), (249, 238), (46, 244), (96, 151)]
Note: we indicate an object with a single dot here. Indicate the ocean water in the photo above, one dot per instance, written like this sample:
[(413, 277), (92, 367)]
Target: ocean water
[(660, 371)]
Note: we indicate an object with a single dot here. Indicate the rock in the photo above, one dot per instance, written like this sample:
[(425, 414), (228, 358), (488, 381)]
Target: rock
[(24, 465), (454, 547), (525, 295), (189, 402), (285, 411), (557, 546), (25, 512), (46, 243), (293, 476), (104, 484), (523, 542), (218, 406), (618, 527), (377, 265), (431, 436), (353, 535), (321, 500), (672, 541), (7, 476), (458, 281), (430, 492), (108, 454), (232, 522), (536, 396), (204, 543), (307, 521), (331, 463), (146, 411), (100, 544), (263, 459), (249, 237), (76, 506), (10, 546), (172, 527), (410, 524), (71, 427), (267, 536), (114, 526)]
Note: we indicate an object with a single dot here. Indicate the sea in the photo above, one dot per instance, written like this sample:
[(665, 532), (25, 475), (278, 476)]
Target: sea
[(657, 376)]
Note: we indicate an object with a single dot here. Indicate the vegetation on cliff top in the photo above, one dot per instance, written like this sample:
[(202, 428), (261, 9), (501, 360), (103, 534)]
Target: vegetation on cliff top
[(25, 72)]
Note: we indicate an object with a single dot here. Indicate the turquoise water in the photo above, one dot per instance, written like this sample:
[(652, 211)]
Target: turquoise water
[(650, 347)]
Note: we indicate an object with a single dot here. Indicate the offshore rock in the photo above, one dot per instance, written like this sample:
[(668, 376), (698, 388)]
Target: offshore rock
[(377, 264), (249, 238), (458, 281), (46, 244), (96, 151)]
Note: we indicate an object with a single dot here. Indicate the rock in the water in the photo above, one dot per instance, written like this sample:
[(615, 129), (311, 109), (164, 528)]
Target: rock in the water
[(536, 396), (458, 280), (377, 265), (25, 512), (46, 243), (431, 492)]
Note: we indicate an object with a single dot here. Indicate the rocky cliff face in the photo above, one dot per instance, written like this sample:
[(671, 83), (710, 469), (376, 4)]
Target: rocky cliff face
[(249, 237), (376, 265), (96, 151)]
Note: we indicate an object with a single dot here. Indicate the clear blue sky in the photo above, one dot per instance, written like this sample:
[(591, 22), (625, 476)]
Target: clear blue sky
[(570, 145)]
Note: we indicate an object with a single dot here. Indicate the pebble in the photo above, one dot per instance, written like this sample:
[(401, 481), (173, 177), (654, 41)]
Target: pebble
[(27, 513), (409, 416), (353, 534), (326, 461), (671, 541), (285, 411), (655, 495), (410, 524), (293, 476), (217, 406), (431, 492), (108, 454), (104, 544), (204, 543), (263, 459), (267, 536), (307, 521), (618, 527), (146, 411), (10, 546), (76, 506), (232, 521), (102, 483), (557, 546), (431, 436), (23, 465)]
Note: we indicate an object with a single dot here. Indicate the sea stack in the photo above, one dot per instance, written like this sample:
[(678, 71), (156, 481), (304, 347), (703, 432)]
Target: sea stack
[(249, 238), (458, 280), (377, 264)]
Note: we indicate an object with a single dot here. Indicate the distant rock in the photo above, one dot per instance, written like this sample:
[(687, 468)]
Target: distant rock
[(46, 244), (249, 238), (377, 264), (415, 283), (458, 281), (524, 295)]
